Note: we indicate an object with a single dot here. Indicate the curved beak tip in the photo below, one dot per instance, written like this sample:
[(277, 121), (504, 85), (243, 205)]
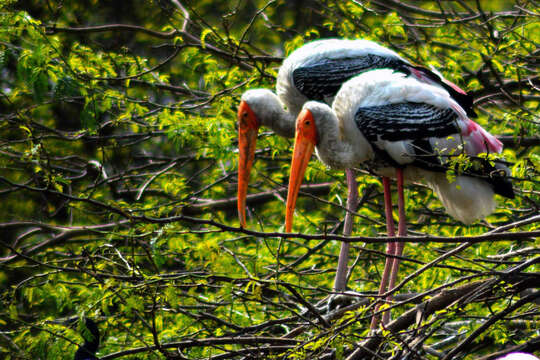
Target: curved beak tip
[(303, 148), (247, 140), (242, 219)]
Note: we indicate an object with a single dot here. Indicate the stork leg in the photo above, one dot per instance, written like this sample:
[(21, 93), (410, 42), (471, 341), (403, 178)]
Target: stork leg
[(340, 282), (402, 231), (390, 227), (390, 248)]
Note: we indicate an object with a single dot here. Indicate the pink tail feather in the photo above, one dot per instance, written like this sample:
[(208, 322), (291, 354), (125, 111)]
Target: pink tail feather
[(454, 86), (481, 140)]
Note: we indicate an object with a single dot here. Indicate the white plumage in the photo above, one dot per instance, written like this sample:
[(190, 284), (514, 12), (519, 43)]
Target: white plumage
[(518, 356), (466, 199)]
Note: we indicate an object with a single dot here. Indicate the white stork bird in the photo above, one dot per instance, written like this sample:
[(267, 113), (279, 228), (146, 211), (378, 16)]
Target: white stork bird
[(316, 71), (393, 123)]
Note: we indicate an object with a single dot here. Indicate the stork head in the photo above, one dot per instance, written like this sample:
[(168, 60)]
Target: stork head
[(259, 107), (248, 127), (304, 143)]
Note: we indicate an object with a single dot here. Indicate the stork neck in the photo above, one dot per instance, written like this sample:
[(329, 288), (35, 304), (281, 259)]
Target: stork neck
[(340, 146), (282, 122), (270, 111)]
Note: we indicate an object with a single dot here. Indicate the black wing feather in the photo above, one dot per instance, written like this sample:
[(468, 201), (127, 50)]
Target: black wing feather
[(323, 79), (405, 121), (409, 121), (464, 100)]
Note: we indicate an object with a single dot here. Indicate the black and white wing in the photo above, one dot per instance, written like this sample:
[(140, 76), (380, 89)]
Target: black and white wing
[(322, 79), (405, 133), (406, 121), (317, 70), (426, 136)]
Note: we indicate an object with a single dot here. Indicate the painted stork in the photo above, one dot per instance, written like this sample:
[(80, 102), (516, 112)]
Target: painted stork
[(395, 124), (316, 71)]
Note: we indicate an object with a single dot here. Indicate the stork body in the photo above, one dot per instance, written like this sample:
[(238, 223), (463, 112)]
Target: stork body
[(316, 71), (396, 125)]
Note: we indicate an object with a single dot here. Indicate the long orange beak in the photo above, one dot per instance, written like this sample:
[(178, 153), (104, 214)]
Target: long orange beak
[(248, 127), (304, 144)]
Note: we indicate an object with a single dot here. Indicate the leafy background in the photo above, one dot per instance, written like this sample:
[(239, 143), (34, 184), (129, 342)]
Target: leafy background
[(118, 177)]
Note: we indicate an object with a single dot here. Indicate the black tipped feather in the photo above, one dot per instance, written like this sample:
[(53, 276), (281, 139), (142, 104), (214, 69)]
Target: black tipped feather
[(464, 100), (498, 178), (323, 79)]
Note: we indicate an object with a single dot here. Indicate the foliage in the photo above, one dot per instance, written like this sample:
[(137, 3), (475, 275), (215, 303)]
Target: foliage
[(118, 183)]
